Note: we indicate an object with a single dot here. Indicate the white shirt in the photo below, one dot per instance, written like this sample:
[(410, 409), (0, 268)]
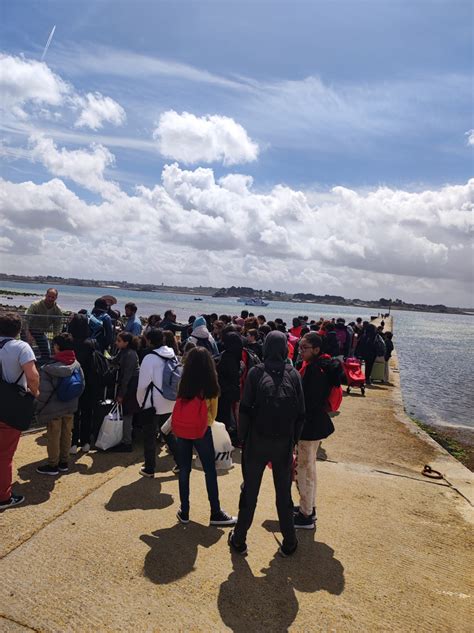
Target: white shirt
[(13, 355), (151, 370)]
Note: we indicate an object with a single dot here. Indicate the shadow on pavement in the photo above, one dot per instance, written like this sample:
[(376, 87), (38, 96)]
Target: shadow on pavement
[(35, 487), (143, 494), (268, 603), (173, 551)]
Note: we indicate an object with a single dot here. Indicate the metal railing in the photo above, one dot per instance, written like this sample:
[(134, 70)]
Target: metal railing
[(38, 330)]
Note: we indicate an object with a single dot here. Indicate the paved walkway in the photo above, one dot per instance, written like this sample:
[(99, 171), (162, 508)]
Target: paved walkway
[(99, 549)]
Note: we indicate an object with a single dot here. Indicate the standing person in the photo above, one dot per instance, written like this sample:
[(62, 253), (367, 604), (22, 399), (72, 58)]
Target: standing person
[(388, 354), (156, 409), (271, 419), (229, 373), (320, 373), (199, 390), (43, 316), (154, 320), (344, 334), (103, 331), (133, 323), (169, 340), (170, 323), (296, 329), (261, 320), (17, 366), (127, 362), (53, 409), (83, 347), (254, 343), (367, 349), (201, 337)]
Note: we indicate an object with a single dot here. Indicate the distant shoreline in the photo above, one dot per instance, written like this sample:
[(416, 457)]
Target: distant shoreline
[(227, 293)]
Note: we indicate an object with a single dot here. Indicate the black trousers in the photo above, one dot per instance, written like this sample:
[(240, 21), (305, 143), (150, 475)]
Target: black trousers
[(150, 427), (83, 419), (257, 452)]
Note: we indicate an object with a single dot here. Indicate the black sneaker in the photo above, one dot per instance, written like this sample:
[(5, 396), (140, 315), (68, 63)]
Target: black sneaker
[(183, 517), (47, 470), (222, 518), (63, 467), (304, 523), (285, 551), (240, 549), (296, 510), (14, 500), (146, 473)]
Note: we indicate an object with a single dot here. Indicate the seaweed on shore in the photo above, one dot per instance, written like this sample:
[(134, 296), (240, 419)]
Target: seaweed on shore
[(463, 451)]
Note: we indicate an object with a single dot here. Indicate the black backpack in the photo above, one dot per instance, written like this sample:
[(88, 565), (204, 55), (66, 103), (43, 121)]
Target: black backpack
[(276, 403), (205, 342), (103, 373), (379, 345)]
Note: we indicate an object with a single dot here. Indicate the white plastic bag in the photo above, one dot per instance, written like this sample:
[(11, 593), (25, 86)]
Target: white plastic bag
[(111, 431), (166, 427), (222, 447)]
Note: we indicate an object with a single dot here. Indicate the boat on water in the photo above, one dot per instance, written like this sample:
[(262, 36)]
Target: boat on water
[(256, 301), (197, 299)]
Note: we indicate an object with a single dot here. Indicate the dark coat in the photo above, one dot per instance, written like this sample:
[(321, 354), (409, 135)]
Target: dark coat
[(319, 377)]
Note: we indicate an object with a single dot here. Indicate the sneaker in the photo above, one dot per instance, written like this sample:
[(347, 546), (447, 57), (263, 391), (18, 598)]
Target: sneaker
[(222, 518), (183, 517), (74, 450), (146, 473), (47, 470), (176, 470), (304, 523), (296, 510), (239, 549), (86, 448), (63, 467), (285, 551), (14, 500)]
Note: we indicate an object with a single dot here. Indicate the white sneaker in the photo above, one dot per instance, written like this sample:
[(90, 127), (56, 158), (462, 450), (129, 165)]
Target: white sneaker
[(86, 448), (73, 450)]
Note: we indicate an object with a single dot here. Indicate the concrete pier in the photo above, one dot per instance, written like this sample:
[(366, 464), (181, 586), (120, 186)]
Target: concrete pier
[(100, 549)]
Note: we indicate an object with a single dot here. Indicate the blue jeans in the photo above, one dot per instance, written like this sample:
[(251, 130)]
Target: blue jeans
[(205, 450)]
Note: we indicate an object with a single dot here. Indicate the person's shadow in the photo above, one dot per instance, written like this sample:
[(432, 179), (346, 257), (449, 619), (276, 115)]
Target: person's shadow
[(143, 494), (269, 603), (173, 551)]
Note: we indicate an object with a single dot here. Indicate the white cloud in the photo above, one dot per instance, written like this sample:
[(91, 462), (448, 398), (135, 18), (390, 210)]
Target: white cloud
[(97, 110), (86, 168), (24, 80), (191, 139), (355, 243), (470, 138)]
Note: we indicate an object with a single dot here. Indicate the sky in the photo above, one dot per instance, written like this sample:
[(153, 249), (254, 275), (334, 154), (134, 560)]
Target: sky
[(322, 146)]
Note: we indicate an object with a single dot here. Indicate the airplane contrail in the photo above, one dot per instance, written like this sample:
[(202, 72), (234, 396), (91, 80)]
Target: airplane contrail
[(48, 42)]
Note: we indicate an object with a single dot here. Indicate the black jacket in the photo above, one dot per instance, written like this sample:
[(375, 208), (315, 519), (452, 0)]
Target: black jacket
[(319, 377), (228, 367)]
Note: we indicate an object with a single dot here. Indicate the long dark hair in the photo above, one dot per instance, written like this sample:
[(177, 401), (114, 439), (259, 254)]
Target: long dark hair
[(79, 327), (199, 377)]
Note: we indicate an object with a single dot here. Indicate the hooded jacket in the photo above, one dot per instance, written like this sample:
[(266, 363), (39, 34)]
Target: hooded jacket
[(275, 352), (151, 371), (48, 406), (228, 368), (201, 333)]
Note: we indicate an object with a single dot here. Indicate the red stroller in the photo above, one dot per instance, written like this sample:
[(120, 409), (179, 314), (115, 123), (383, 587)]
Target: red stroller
[(354, 374)]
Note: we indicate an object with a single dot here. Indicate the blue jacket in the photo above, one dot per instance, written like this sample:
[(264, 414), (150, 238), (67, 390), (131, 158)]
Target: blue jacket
[(133, 325)]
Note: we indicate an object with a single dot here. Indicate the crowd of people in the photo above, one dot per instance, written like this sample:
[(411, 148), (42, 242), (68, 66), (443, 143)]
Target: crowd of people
[(270, 385)]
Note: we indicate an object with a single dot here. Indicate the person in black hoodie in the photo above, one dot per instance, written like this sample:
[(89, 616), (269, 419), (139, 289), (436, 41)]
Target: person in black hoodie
[(367, 349), (320, 373), (330, 344), (83, 347), (228, 373), (271, 419)]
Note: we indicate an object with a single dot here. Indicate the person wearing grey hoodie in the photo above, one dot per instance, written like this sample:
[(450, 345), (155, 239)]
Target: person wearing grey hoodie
[(56, 413), (201, 337), (272, 413)]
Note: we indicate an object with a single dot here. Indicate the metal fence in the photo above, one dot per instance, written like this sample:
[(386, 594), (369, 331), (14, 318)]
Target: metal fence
[(39, 330)]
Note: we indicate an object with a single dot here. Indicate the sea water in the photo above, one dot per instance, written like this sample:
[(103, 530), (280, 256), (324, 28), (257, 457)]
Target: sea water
[(435, 351)]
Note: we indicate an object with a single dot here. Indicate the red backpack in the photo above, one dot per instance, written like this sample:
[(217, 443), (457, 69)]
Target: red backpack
[(189, 418)]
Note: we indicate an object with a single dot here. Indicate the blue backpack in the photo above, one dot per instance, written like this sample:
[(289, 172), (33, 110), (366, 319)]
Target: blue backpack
[(172, 372), (70, 387), (96, 326)]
